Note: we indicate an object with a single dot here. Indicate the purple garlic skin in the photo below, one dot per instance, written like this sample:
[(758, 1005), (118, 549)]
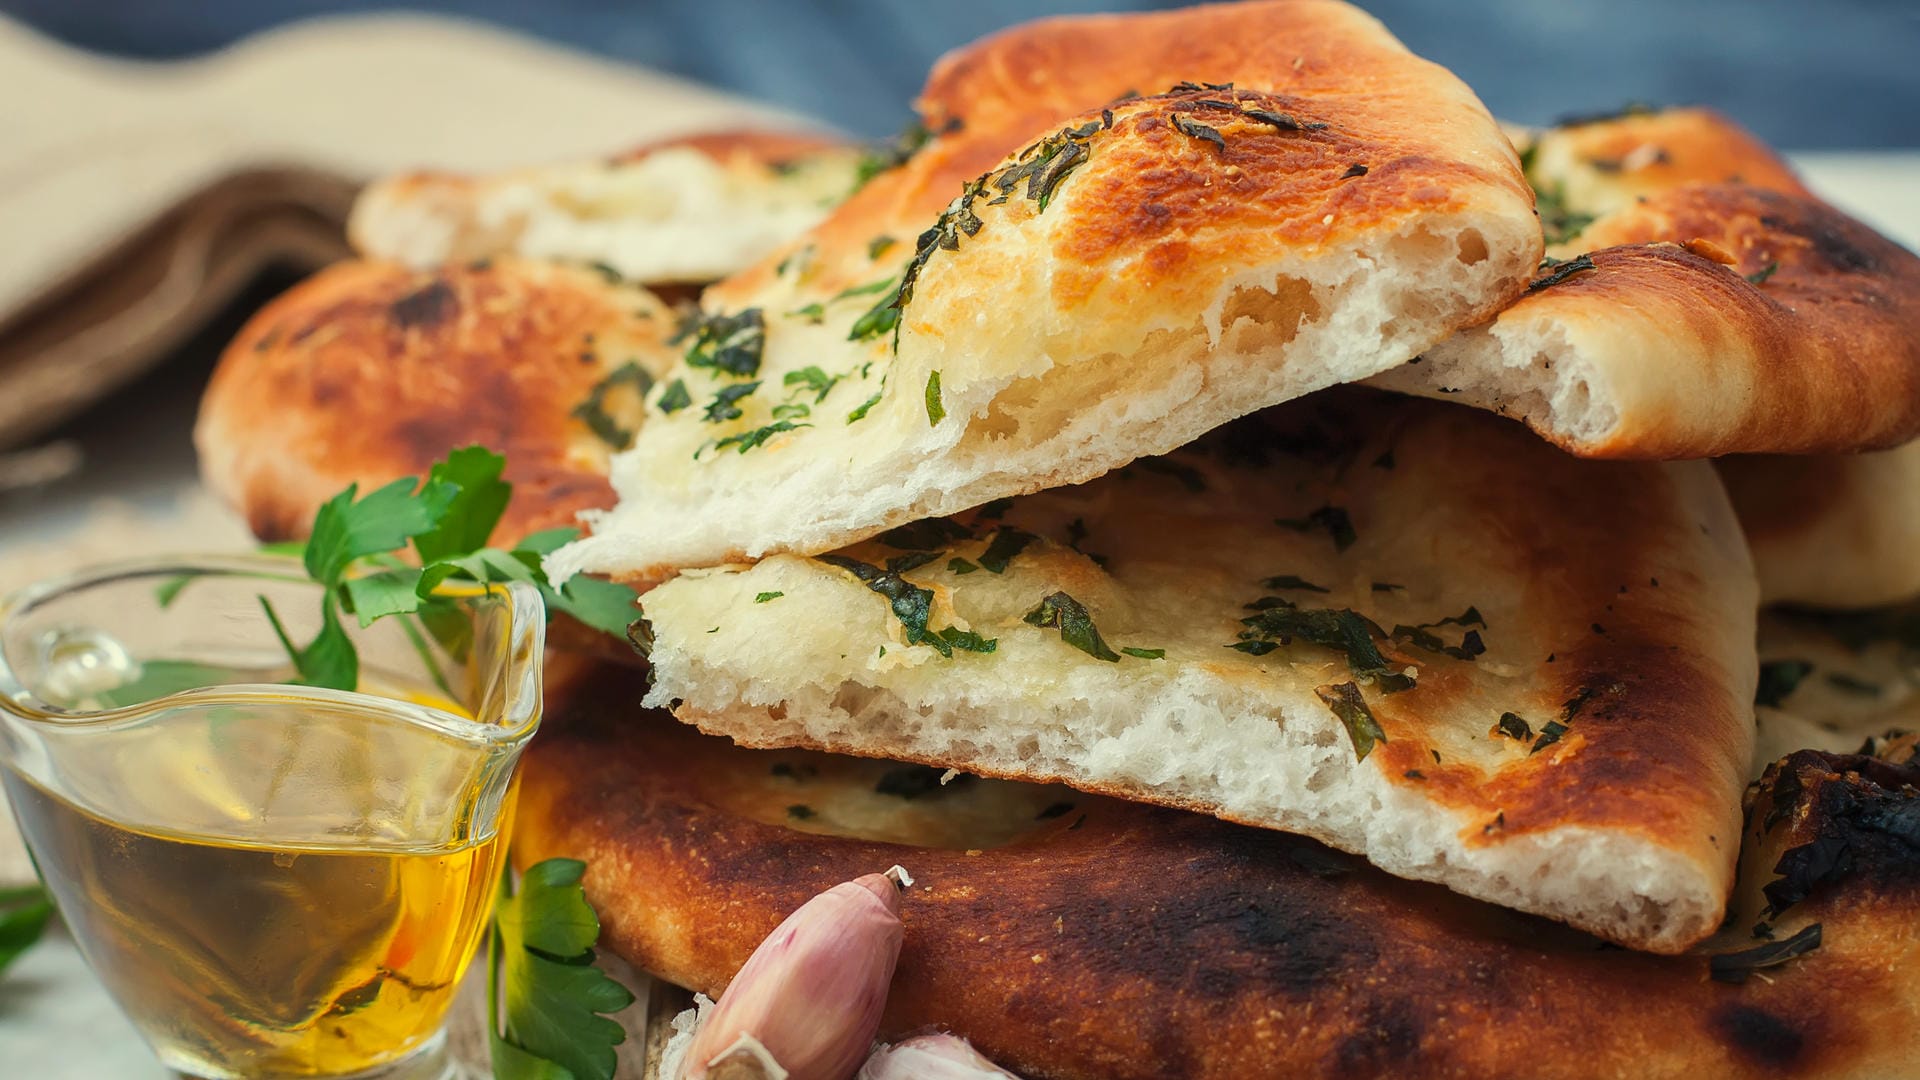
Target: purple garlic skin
[(931, 1057), (810, 997)]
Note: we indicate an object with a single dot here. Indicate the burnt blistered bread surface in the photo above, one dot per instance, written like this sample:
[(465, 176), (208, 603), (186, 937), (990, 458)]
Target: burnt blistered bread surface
[(1696, 301), (370, 371), (688, 209), (1091, 939), (1121, 232), (1389, 624)]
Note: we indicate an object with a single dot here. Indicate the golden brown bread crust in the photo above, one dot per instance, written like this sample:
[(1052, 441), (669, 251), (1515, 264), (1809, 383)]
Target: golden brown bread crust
[(369, 371), (773, 149), (1308, 204), (1114, 941), (1603, 164), (1821, 355), (1832, 531), (1786, 327), (1632, 644)]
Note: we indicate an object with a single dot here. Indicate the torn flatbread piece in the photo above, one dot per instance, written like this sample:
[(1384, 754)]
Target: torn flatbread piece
[(1831, 530), (684, 210), (1677, 317), (1296, 201), (1081, 938), (369, 371), (1409, 630)]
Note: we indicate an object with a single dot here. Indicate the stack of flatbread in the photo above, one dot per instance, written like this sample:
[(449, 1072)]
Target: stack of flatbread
[(1309, 581)]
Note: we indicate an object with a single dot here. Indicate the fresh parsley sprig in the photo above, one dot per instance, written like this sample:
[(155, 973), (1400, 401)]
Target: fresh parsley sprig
[(447, 519), (540, 958), (24, 914)]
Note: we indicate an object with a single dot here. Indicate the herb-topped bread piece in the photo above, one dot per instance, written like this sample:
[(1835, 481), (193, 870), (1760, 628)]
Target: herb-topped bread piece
[(1123, 232), (1081, 938), (369, 371), (1696, 301), (684, 210), (1407, 629)]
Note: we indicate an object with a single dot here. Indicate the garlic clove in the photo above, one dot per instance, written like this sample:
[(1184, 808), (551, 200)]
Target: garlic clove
[(931, 1057), (807, 1002)]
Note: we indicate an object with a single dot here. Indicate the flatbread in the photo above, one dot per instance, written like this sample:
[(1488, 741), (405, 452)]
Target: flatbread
[(688, 209), (369, 371), (1726, 310), (1614, 604), (1102, 940), (1308, 204), (1831, 531)]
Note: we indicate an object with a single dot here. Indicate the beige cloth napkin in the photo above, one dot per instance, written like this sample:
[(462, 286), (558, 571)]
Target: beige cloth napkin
[(138, 198)]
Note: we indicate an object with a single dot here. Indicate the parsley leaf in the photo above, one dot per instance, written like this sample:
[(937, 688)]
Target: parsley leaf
[(1332, 519), (1064, 613), (540, 959), (448, 519), (724, 405), (472, 496), (1344, 630), (727, 343), (1346, 703), (674, 398), (860, 413), (936, 409), (24, 914), (1779, 679), (1006, 543), (911, 604)]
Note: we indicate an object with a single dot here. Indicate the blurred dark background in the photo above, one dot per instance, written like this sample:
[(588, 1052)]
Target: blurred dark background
[(1805, 74)]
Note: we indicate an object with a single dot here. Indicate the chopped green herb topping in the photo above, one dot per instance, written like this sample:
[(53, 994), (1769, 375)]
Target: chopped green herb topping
[(593, 411), (1344, 631), (1063, 612), (1561, 272), (1193, 129), (1144, 654), (927, 534), (762, 598), (1346, 703), (879, 319), (896, 151), (1513, 726), (1779, 679), (1188, 476), (800, 812), (1044, 164), (674, 398), (936, 409), (960, 566), (812, 380), (1549, 735), (1759, 277), (724, 404), (1289, 581), (1006, 543), (1333, 519), (726, 343), (748, 440), (912, 605), (860, 413), (1734, 967), (1421, 636), (879, 246)]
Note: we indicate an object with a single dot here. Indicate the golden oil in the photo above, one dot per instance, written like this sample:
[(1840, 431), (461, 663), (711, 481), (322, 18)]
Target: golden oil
[(245, 958)]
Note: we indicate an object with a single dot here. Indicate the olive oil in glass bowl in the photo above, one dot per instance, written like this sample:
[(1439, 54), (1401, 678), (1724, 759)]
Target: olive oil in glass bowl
[(271, 880)]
